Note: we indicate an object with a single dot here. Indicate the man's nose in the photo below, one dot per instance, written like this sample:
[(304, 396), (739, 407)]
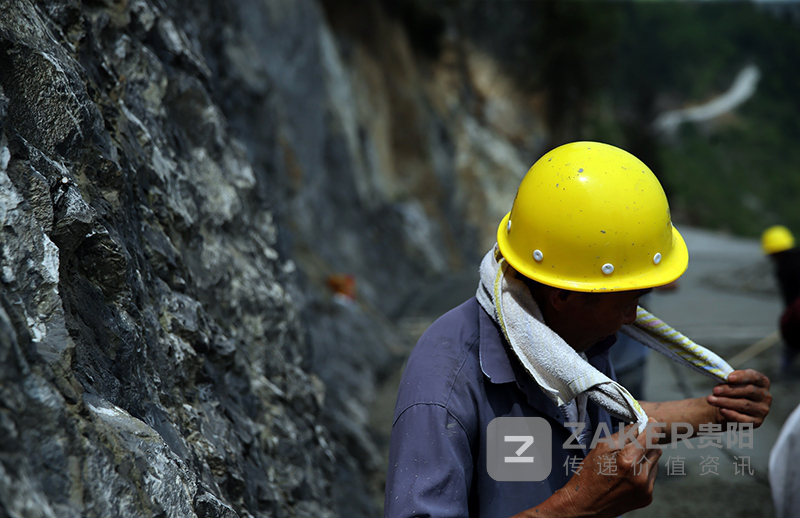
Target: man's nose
[(630, 315)]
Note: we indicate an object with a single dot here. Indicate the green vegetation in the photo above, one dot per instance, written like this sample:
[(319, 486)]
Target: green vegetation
[(609, 68), (739, 173)]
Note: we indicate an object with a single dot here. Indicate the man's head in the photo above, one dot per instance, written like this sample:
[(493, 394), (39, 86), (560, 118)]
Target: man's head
[(582, 319), (590, 228), (776, 239), (591, 217)]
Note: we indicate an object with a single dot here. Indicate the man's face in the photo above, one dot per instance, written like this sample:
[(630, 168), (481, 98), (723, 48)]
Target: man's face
[(598, 315)]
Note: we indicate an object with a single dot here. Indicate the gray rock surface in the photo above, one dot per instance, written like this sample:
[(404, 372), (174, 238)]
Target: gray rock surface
[(177, 184), (154, 361)]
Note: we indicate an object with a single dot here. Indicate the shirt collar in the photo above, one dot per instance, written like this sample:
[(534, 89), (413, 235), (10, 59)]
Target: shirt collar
[(495, 363)]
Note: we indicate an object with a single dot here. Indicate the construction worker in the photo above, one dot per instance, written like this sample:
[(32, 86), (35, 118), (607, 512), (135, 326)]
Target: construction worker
[(778, 244), (589, 234)]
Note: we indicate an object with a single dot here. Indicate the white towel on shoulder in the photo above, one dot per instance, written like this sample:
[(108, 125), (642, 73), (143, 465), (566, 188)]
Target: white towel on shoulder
[(558, 369)]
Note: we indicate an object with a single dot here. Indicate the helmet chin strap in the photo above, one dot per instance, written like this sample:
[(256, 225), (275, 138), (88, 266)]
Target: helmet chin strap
[(659, 336)]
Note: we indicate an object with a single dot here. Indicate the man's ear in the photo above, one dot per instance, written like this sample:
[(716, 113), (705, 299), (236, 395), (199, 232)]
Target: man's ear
[(559, 299)]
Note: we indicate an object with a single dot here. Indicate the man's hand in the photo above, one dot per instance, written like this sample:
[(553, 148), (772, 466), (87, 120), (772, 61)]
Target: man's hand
[(745, 398), (611, 481), (629, 486)]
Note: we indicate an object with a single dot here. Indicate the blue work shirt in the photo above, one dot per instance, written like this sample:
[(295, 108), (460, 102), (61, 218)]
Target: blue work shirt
[(459, 377)]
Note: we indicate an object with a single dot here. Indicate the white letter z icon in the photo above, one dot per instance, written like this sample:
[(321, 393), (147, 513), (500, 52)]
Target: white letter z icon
[(526, 441)]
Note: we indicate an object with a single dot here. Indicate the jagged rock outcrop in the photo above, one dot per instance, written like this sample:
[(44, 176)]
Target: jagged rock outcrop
[(152, 352), (176, 182)]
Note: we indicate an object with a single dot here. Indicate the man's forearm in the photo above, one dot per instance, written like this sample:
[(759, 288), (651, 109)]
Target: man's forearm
[(693, 412)]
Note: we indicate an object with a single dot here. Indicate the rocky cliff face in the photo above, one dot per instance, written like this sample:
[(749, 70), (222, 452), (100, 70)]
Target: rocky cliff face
[(176, 184)]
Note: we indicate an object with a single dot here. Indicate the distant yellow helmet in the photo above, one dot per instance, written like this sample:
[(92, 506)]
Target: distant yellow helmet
[(592, 217), (776, 239)]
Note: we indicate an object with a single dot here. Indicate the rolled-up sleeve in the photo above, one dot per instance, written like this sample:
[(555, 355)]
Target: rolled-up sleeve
[(430, 464)]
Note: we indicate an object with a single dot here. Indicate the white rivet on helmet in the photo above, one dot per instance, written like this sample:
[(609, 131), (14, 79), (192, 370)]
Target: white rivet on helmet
[(657, 258), (508, 226), (538, 255), (608, 268)]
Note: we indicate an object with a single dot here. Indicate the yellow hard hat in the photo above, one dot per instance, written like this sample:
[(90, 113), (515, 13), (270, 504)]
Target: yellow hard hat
[(776, 239), (591, 217)]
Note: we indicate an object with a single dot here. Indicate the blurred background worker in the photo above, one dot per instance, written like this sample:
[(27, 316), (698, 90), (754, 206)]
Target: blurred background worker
[(779, 244)]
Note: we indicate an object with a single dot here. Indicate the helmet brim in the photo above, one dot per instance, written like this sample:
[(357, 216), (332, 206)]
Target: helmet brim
[(671, 267)]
